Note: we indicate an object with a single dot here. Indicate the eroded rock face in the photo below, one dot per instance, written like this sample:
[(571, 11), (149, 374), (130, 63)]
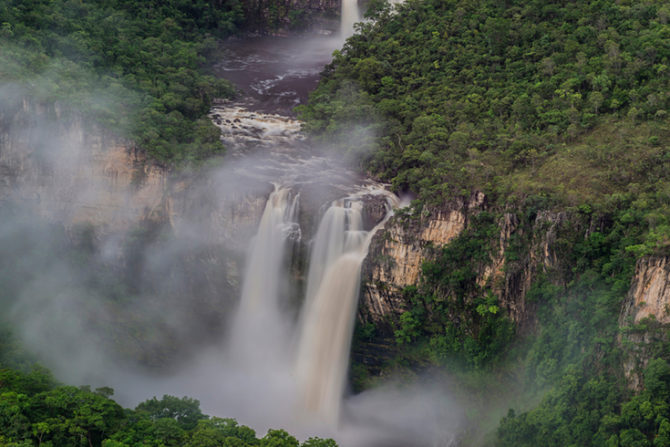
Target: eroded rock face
[(511, 278), (397, 253), (70, 173), (648, 301), (649, 295)]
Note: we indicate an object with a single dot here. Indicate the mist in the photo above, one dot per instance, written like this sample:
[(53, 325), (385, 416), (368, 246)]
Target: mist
[(117, 272)]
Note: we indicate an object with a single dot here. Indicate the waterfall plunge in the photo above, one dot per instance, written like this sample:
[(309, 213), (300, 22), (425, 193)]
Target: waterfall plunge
[(259, 325), (260, 329), (349, 16), (328, 314)]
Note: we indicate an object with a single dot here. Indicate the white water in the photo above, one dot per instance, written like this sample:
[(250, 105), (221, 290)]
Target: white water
[(340, 227), (350, 15), (259, 324), (328, 315), (261, 335)]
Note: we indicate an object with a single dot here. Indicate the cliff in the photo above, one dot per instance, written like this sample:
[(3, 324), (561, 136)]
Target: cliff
[(649, 295), (398, 252), (67, 172), (644, 316), (280, 16)]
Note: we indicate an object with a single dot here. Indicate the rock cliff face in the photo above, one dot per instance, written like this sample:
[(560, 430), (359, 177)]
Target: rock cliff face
[(645, 313), (511, 273), (397, 253), (67, 171), (70, 173), (649, 295), (278, 16)]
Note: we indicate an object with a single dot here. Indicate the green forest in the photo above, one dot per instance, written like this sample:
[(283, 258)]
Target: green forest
[(36, 410), (563, 101), (544, 106), (135, 68)]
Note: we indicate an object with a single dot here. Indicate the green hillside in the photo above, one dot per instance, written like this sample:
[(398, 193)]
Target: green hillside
[(553, 106), (565, 100), (136, 68)]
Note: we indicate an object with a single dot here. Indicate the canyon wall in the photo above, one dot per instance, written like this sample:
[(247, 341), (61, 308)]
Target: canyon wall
[(281, 16), (649, 295), (644, 317), (397, 253), (74, 174)]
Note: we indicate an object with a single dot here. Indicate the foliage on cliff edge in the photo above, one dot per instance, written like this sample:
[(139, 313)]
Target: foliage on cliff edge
[(562, 99), (134, 67)]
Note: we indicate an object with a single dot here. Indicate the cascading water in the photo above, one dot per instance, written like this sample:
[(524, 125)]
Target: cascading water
[(259, 324), (339, 228), (327, 318), (349, 16)]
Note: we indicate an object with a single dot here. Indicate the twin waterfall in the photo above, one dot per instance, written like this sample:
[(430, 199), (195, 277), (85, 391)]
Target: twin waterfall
[(318, 346)]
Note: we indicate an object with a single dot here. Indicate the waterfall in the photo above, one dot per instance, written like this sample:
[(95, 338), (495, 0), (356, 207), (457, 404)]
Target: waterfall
[(339, 229), (261, 333), (349, 16), (328, 315), (259, 326)]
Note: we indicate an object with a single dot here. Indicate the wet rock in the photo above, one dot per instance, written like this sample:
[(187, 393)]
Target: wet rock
[(375, 208), (648, 302), (398, 252)]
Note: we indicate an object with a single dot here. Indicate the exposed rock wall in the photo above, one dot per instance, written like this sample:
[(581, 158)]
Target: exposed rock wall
[(70, 173), (397, 253), (277, 16), (510, 275), (649, 295), (644, 315)]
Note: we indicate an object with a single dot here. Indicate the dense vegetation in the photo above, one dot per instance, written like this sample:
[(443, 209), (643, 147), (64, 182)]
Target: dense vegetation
[(565, 99), (136, 68), (546, 106), (576, 348), (450, 316), (35, 410), (543, 105)]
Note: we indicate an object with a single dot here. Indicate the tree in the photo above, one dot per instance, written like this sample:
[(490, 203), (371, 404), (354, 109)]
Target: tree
[(318, 442), (657, 378), (278, 438), (215, 432), (185, 411)]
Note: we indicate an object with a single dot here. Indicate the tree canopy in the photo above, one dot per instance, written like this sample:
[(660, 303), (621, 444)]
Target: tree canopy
[(36, 410), (136, 68)]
